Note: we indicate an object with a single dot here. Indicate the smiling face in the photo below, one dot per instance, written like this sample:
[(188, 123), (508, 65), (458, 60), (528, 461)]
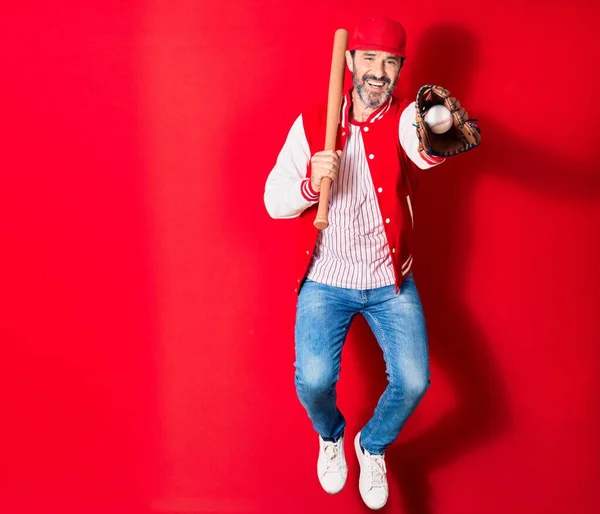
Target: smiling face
[(375, 75)]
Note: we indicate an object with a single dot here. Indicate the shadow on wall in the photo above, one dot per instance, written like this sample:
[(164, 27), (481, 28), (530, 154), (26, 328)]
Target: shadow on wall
[(457, 346)]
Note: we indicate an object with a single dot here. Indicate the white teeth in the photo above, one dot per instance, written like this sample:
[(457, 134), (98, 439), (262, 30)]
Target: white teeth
[(375, 84)]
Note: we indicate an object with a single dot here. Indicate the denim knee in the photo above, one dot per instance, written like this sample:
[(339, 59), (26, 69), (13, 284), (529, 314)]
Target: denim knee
[(416, 389), (313, 382), (412, 386)]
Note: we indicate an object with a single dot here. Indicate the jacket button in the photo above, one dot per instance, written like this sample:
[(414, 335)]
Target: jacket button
[(380, 190), (393, 250), (371, 156), (387, 220), (343, 134), (295, 290), (366, 129), (307, 252)]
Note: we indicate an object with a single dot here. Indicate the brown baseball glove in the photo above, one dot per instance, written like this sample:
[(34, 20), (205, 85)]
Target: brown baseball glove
[(463, 135)]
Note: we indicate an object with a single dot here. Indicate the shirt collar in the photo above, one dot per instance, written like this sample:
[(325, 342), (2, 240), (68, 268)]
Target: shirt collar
[(373, 117)]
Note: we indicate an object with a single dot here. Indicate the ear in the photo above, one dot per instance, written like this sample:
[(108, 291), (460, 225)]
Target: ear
[(349, 61)]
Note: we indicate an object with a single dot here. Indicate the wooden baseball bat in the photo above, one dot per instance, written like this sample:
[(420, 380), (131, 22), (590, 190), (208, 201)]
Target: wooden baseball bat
[(334, 102)]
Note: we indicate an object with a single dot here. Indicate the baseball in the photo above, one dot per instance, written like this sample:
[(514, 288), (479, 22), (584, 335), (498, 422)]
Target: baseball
[(438, 119)]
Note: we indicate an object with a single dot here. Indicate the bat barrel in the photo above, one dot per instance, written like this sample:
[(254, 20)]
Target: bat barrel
[(334, 102)]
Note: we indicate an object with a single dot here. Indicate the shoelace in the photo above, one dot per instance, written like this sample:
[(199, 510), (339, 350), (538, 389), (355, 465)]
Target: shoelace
[(377, 469), (331, 451)]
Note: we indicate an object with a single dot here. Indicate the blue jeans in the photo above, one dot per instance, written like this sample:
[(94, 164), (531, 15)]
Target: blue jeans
[(323, 317)]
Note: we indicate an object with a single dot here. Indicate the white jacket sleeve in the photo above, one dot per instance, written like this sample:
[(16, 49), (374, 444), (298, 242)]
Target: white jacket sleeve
[(288, 191), (410, 141)]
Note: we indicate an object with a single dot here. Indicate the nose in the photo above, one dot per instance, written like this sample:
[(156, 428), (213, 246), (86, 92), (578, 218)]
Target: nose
[(380, 69)]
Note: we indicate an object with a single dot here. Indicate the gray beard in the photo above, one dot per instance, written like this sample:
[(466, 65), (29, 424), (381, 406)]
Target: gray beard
[(372, 101)]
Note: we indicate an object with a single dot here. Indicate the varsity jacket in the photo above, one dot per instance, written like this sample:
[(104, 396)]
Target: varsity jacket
[(390, 142)]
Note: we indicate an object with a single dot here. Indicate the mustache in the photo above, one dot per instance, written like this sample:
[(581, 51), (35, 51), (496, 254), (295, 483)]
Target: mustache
[(378, 79)]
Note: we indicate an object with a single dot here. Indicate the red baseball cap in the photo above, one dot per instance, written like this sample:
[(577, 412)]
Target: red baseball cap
[(379, 33)]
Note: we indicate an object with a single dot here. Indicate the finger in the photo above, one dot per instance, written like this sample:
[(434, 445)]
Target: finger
[(325, 153), (326, 161), (452, 103), (329, 155), (321, 162), (322, 153), (441, 92), (461, 116), (322, 171), (471, 133)]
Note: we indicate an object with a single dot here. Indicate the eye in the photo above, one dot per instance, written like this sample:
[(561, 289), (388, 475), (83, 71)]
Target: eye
[(368, 58)]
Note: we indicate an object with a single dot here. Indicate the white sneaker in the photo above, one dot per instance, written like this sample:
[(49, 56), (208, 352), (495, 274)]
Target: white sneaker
[(372, 483), (331, 465)]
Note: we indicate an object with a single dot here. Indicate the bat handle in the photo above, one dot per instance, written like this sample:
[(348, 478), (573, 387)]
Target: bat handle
[(321, 220)]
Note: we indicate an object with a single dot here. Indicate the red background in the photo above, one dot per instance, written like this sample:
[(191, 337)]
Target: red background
[(147, 299)]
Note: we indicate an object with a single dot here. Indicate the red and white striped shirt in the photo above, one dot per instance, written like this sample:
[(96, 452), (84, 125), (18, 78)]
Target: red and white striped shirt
[(353, 252)]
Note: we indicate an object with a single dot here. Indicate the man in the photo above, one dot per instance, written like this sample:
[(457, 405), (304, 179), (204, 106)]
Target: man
[(362, 262)]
